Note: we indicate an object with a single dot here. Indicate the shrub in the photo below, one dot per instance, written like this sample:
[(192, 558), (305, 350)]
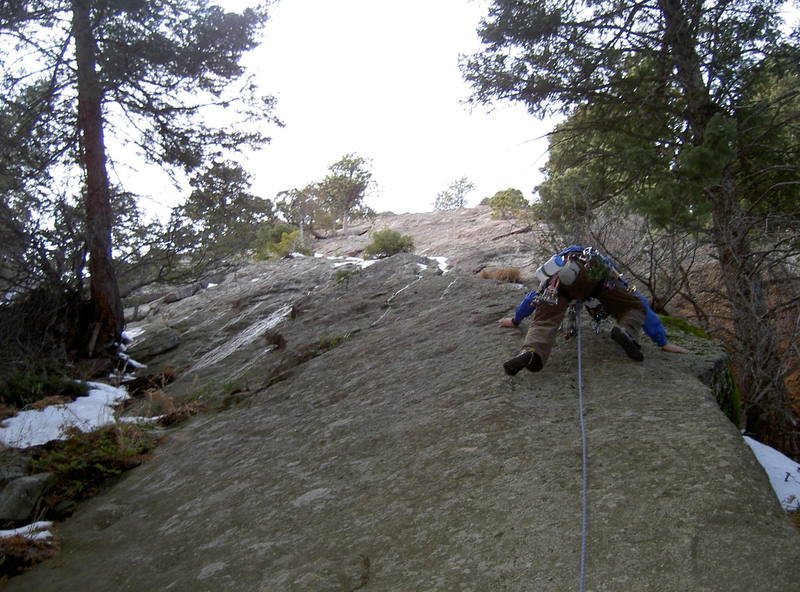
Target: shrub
[(26, 388), (269, 234), (388, 242), (508, 204), (289, 243), (85, 461), (343, 275), (511, 275), (20, 553)]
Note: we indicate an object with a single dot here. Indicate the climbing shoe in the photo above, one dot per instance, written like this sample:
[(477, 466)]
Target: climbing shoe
[(527, 359), (628, 343)]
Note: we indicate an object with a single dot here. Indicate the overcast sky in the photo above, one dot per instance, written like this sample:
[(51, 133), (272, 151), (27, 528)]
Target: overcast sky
[(380, 78)]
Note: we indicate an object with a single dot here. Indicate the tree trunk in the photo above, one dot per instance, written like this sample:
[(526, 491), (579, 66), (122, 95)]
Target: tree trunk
[(106, 303), (768, 409)]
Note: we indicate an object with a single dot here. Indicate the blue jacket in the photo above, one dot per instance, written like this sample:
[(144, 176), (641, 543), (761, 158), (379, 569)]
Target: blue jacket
[(653, 327)]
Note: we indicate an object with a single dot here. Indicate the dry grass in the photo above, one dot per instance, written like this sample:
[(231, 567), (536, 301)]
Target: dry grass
[(181, 413), (47, 401), (511, 275), (795, 518), (20, 553)]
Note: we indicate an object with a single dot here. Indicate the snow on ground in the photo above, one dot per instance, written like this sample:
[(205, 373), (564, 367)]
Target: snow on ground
[(783, 473), (35, 531), (96, 409), (32, 428), (443, 264), (364, 263)]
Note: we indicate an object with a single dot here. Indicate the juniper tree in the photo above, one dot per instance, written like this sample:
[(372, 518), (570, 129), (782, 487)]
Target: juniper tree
[(80, 72), (344, 188), (454, 196), (680, 84)]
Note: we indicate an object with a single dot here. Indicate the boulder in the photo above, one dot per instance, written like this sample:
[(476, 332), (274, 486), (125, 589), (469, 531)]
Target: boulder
[(20, 497), (13, 464)]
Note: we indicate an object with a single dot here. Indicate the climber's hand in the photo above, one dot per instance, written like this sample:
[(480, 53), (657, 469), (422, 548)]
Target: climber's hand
[(675, 349)]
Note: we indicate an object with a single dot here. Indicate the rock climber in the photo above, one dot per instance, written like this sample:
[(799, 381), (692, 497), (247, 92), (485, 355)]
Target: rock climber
[(579, 273)]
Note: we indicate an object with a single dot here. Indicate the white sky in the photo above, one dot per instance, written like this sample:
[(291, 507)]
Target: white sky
[(380, 78)]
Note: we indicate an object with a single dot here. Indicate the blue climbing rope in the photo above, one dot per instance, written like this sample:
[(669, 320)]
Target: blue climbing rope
[(585, 453)]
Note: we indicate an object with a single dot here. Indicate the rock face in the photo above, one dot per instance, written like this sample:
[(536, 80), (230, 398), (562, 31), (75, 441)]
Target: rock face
[(375, 444), (469, 237)]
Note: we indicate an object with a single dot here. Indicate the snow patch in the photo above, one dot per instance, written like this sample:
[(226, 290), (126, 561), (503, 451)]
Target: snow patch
[(443, 264), (783, 473), (131, 334), (95, 410), (37, 531), (342, 261)]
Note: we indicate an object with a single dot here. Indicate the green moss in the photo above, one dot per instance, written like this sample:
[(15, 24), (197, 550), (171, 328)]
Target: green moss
[(677, 324), (327, 343), (720, 379), (729, 397)]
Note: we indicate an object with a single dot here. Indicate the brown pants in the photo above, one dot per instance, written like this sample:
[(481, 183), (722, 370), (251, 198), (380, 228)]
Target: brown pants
[(626, 308)]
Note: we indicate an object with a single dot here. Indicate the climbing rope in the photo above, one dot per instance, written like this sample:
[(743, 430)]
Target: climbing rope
[(585, 453)]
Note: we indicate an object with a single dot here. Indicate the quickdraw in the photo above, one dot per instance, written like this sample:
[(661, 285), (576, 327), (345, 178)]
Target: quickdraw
[(571, 322), (549, 295), (596, 311)]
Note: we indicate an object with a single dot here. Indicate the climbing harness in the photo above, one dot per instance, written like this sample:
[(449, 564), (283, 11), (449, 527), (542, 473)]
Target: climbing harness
[(584, 453), (596, 311)]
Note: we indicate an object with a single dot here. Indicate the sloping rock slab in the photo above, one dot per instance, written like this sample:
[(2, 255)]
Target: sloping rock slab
[(402, 458)]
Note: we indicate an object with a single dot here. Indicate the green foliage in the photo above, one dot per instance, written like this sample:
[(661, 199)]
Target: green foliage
[(222, 218), (729, 398), (388, 242), (268, 236), (343, 275), (301, 207), (454, 196), (151, 58), (27, 387), (634, 141), (85, 461), (703, 165), (508, 204), (290, 243), (332, 202), (159, 73), (344, 189), (678, 324)]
